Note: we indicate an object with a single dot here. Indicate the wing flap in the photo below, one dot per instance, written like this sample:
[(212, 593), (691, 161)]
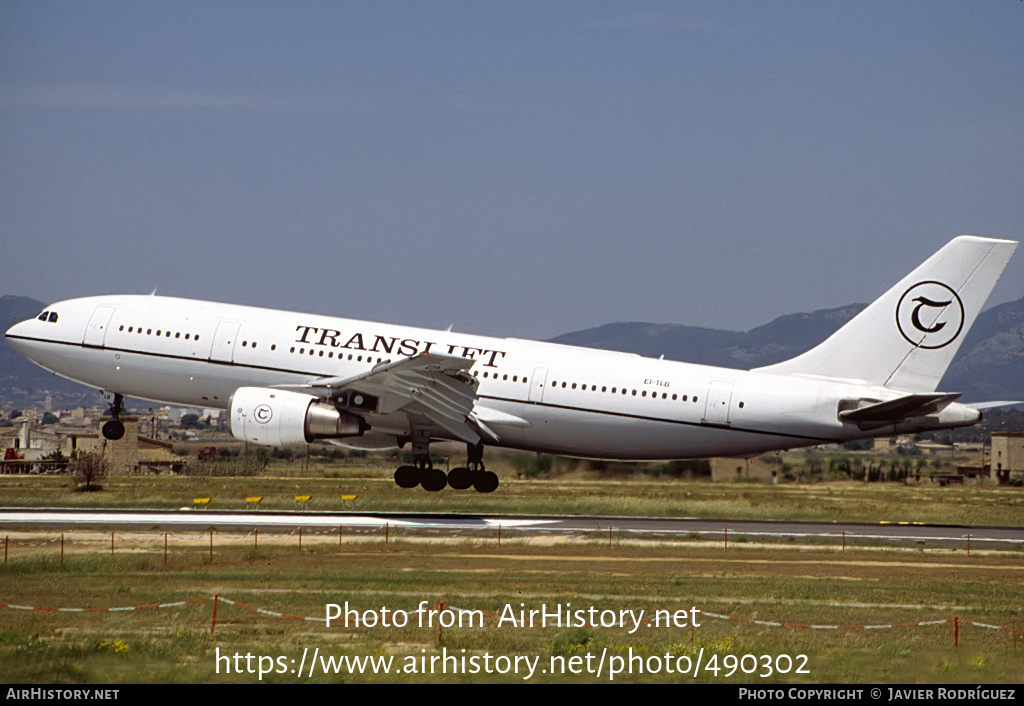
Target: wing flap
[(436, 388)]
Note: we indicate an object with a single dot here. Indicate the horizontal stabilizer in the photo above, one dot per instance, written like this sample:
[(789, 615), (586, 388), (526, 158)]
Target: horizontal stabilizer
[(996, 404), (900, 408)]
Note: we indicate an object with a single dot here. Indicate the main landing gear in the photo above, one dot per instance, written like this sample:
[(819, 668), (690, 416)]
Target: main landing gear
[(433, 479), (114, 429)]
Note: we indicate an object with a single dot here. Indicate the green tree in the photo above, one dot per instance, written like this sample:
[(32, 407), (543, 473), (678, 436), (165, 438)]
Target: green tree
[(191, 421)]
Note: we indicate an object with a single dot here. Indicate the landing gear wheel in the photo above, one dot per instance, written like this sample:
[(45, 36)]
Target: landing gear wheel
[(433, 480), (460, 478), (407, 476), (113, 430), (485, 482)]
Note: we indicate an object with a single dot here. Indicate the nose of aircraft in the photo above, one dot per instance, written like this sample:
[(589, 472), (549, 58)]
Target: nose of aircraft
[(16, 335)]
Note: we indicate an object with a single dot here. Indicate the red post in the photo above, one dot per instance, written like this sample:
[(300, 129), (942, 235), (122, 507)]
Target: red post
[(165, 549), (968, 544), (111, 544), (256, 539), (211, 545), (844, 540), (956, 630), (300, 539), (440, 628), (609, 536), (339, 535), (499, 535), (62, 550), (387, 530), (213, 624), (726, 537), (6, 540)]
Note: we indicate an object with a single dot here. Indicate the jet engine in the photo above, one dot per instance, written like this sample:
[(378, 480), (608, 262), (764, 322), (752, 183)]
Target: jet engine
[(278, 417)]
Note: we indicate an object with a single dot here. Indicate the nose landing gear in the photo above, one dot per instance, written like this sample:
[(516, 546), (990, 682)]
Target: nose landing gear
[(114, 429)]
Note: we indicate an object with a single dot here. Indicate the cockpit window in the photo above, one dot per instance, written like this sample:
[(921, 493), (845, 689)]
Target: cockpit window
[(53, 317), (42, 317)]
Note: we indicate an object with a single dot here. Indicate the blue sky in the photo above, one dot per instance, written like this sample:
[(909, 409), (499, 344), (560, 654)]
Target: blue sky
[(522, 169)]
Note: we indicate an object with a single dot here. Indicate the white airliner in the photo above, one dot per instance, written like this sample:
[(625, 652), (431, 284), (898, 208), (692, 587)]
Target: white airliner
[(290, 378)]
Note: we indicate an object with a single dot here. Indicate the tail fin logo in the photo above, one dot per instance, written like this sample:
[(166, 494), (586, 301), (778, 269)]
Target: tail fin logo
[(930, 315)]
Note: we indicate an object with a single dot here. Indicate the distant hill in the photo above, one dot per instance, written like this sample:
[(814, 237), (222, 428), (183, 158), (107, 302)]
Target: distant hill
[(989, 365)]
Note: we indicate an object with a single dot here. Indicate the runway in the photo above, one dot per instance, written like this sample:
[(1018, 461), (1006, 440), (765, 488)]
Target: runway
[(894, 533)]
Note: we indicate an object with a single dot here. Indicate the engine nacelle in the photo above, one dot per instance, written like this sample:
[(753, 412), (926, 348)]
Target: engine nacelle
[(271, 417)]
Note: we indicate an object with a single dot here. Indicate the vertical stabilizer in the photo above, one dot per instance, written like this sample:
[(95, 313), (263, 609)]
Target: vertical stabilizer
[(907, 338)]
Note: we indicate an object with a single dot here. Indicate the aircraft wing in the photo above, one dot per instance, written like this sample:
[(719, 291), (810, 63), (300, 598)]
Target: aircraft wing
[(435, 388)]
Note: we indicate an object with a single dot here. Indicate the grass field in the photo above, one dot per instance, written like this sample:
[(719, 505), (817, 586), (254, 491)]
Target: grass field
[(577, 492), (789, 584), (782, 583)]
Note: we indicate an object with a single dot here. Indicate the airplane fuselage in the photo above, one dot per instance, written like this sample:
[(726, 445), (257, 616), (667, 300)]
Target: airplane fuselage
[(538, 396)]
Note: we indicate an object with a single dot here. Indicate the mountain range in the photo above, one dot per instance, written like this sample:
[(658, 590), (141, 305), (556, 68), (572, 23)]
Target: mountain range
[(989, 365)]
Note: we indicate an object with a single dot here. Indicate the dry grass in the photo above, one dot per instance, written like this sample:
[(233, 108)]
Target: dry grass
[(790, 584)]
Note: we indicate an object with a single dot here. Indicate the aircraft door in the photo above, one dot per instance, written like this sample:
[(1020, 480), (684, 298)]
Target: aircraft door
[(223, 349), (718, 402), (537, 383), (96, 330)]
